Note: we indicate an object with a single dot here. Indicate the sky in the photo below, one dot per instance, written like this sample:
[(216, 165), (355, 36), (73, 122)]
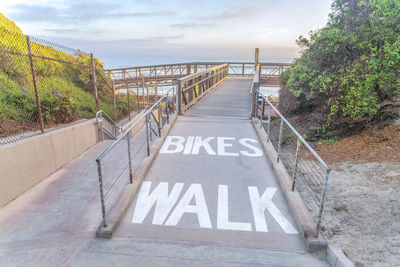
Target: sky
[(125, 32)]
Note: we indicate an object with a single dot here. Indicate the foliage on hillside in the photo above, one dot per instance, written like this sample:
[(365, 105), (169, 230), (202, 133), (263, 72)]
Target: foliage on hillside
[(65, 90), (349, 73)]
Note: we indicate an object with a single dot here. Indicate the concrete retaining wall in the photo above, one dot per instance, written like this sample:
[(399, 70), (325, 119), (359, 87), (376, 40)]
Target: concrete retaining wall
[(26, 163)]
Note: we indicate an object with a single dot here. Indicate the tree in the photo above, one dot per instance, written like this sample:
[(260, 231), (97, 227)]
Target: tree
[(349, 72)]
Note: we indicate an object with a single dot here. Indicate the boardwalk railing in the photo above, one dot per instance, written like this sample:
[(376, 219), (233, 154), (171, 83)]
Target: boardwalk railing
[(308, 171), (194, 86), (115, 165), (167, 74)]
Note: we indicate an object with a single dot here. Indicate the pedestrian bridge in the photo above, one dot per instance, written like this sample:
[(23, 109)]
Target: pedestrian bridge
[(211, 174)]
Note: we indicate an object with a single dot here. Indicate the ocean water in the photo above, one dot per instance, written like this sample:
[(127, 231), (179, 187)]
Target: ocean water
[(113, 62)]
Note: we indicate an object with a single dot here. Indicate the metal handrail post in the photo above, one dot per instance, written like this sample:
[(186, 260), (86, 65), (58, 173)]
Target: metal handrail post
[(147, 134), (255, 100), (150, 127), (269, 122), (167, 109), (103, 206), (128, 137), (280, 140), (179, 97), (328, 171), (159, 118), (101, 127), (296, 163), (262, 112)]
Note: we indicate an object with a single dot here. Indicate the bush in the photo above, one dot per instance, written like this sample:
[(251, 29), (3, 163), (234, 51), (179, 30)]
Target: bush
[(349, 73)]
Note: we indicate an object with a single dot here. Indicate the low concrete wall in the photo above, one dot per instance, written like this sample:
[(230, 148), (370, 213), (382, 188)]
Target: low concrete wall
[(138, 126), (26, 163)]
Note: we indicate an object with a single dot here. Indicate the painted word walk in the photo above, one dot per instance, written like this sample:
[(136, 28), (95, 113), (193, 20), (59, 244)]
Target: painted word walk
[(168, 210), (221, 146)]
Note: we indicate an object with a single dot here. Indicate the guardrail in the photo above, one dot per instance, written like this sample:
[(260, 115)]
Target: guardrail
[(116, 129), (194, 86), (115, 165), (308, 171), (168, 74)]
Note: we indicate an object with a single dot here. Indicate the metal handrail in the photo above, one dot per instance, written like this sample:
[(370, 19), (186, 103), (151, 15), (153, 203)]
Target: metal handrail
[(294, 131), (132, 126), (300, 140), (99, 120), (127, 134)]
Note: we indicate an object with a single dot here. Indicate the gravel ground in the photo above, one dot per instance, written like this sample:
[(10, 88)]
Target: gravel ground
[(362, 214)]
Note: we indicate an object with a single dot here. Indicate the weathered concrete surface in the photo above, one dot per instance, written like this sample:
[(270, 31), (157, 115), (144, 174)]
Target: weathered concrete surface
[(137, 252), (26, 163), (53, 220), (118, 210), (237, 172)]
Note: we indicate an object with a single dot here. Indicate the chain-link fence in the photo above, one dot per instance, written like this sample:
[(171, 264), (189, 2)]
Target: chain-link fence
[(44, 85)]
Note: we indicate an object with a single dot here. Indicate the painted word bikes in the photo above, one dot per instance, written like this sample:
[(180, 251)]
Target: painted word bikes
[(221, 146), (169, 211)]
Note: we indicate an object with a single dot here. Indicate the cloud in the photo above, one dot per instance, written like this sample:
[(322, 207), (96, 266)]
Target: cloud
[(74, 31), (236, 13), (78, 12), (191, 25), (171, 37)]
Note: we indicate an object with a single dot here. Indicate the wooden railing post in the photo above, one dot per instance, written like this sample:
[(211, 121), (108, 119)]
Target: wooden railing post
[(256, 57)]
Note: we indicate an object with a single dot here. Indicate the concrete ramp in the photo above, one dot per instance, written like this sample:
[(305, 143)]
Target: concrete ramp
[(210, 198), (211, 183)]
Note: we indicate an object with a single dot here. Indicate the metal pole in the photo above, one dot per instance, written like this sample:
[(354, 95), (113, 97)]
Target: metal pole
[(101, 127), (159, 119), (142, 90), (39, 107), (137, 97), (148, 97), (262, 112), (103, 206), (296, 163), (280, 140), (147, 132), (269, 122), (114, 101), (254, 99), (328, 171), (130, 157), (167, 109), (96, 96), (179, 97), (129, 104)]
